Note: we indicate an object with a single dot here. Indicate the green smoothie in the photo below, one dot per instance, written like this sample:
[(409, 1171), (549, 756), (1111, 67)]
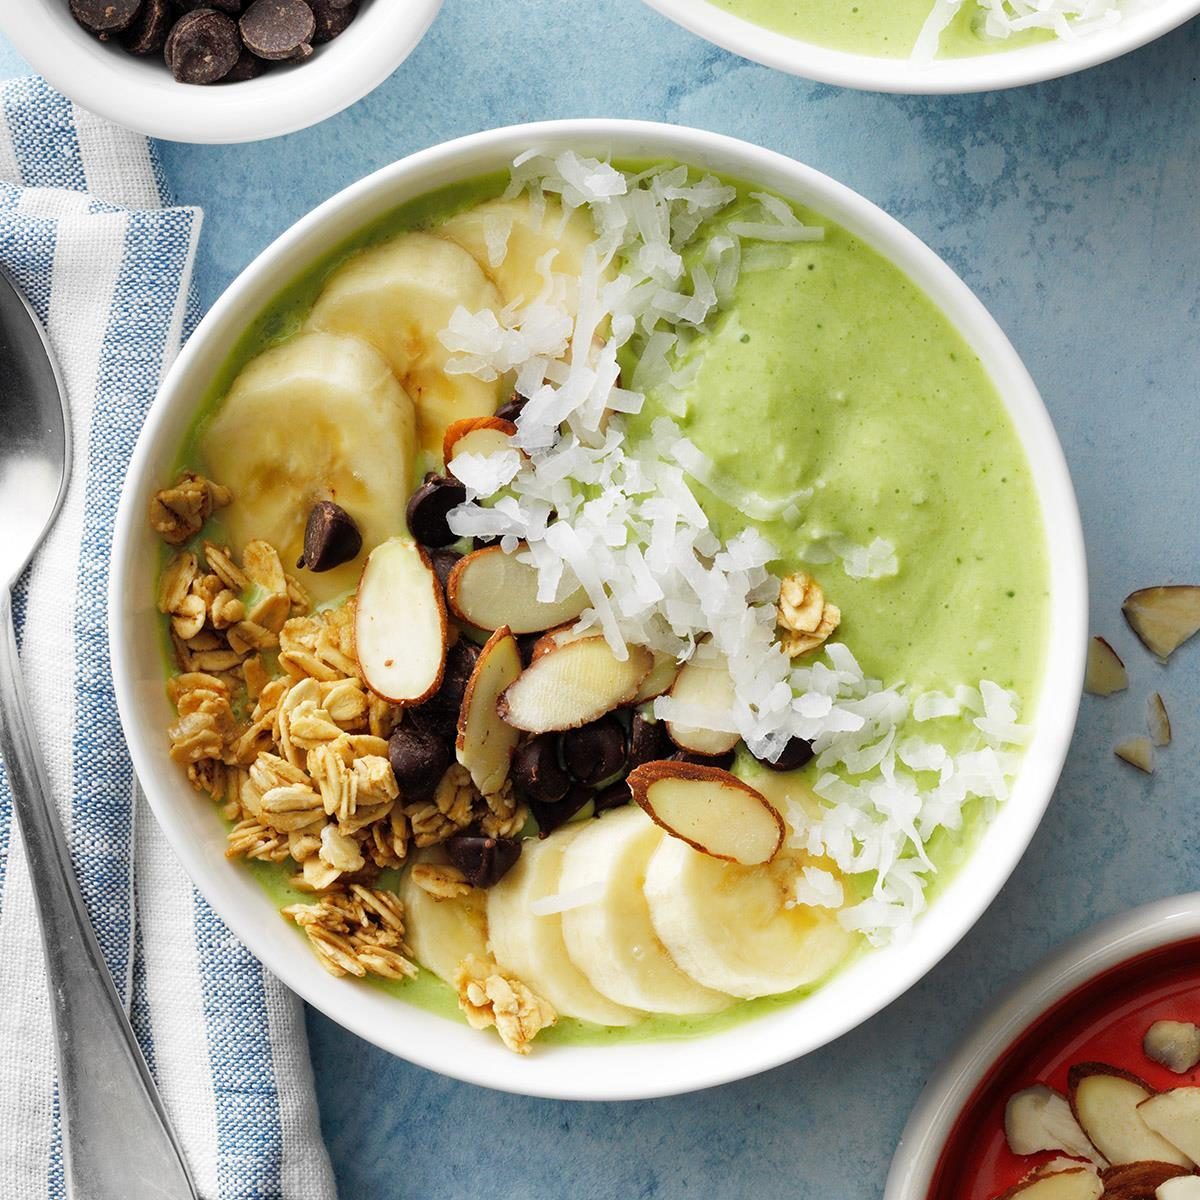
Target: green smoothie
[(829, 372), (887, 28)]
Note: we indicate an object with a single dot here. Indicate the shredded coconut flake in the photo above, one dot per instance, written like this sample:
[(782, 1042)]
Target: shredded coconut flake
[(561, 902)]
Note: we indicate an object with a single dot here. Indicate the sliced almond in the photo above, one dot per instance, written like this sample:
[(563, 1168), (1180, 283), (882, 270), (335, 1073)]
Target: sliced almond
[(552, 639), (1136, 1181), (400, 623), (1038, 1118), (1105, 671), (1070, 1183), (1175, 1115), (662, 676), (710, 809), (1157, 720), (476, 435), (1137, 752), (489, 589), (485, 744), (705, 686), (1105, 1102), (1182, 1187), (1163, 617), (572, 685), (1173, 1044)]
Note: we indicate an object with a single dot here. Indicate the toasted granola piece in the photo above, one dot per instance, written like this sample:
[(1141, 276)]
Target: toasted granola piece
[(175, 583), (805, 618), (441, 880), (355, 930), (179, 512), (489, 997)]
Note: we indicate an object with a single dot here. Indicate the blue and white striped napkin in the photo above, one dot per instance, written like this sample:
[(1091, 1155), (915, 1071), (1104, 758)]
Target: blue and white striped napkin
[(87, 232)]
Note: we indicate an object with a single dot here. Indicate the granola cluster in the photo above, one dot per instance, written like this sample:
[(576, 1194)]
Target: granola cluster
[(356, 930), (804, 616), (489, 997)]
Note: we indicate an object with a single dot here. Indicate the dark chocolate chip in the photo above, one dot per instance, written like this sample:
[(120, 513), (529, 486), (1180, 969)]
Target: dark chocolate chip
[(795, 754), (648, 741), (148, 34), (331, 18), (301, 52), (511, 409), (435, 722), (721, 761), (595, 751), (105, 16), (330, 537), (202, 47), (230, 7), (429, 505), (419, 759), (483, 860), (276, 29), (614, 796), (553, 816), (536, 770), (460, 664), (443, 563), (248, 66)]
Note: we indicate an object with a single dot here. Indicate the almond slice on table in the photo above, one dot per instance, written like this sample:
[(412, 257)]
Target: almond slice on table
[(572, 685), (1175, 1115), (1163, 617), (400, 623), (1106, 672), (485, 744), (1138, 1180), (1157, 720), (704, 685), (1137, 752), (1105, 1102), (476, 435), (1038, 1118), (1070, 1183), (709, 809), (1173, 1044), (489, 588)]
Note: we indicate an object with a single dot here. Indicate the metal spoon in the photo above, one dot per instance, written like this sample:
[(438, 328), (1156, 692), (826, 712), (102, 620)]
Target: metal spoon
[(117, 1140)]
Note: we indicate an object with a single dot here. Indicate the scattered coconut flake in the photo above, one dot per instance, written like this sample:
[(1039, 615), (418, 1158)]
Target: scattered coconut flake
[(561, 902), (817, 889)]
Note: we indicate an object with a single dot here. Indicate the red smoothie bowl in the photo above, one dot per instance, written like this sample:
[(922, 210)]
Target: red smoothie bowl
[(1091, 1002)]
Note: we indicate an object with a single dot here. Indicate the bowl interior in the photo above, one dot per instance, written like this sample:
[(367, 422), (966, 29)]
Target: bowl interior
[(977, 74), (627, 1069), (140, 93)]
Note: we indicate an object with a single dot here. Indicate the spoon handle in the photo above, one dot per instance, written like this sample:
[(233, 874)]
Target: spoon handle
[(117, 1140)]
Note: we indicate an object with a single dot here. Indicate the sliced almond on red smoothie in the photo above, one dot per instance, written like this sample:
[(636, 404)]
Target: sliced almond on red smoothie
[(1038, 1118), (705, 686), (1138, 1180), (710, 809), (572, 685), (1105, 1102), (1163, 617), (485, 744), (1106, 672), (1157, 720), (476, 435), (1069, 1183), (490, 589), (400, 623), (1175, 1115), (1137, 752)]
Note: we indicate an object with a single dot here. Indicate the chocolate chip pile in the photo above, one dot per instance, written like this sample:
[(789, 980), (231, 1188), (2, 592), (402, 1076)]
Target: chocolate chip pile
[(217, 41)]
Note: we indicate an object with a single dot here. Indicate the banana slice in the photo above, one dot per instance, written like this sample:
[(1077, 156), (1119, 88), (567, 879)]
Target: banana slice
[(443, 932), (612, 941), (728, 927), (507, 239), (319, 417), (532, 947), (399, 297)]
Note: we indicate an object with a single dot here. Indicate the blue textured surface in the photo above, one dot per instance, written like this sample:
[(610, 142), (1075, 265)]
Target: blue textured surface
[(1073, 209)]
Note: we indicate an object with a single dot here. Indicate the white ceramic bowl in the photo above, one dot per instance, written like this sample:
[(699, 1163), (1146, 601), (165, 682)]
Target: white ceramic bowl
[(982, 73), (140, 93), (1101, 948), (623, 1070)]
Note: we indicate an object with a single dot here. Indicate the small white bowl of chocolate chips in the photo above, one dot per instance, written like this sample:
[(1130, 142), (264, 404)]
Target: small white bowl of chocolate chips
[(216, 70)]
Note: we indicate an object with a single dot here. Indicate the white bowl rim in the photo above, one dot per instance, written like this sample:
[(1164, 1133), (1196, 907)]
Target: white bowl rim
[(625, 1070), (1070, 966), (980, 73), (140, 93)]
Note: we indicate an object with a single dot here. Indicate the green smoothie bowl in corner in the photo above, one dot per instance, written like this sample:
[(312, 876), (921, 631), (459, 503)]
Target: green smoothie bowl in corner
[(598, 608), (929, 46)]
